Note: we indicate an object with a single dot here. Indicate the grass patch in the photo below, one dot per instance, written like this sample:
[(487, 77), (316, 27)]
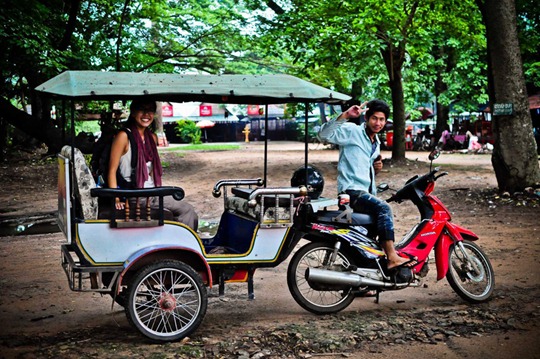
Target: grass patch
[(203, 147)]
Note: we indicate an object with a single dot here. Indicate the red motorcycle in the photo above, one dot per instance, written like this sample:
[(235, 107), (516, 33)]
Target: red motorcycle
[(344, 259)]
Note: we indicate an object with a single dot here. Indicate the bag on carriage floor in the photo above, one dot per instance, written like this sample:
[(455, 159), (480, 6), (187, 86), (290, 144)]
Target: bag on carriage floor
[(101, 157)]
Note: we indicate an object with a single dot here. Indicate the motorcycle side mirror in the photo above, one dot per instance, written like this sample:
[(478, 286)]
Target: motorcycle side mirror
[(434, 154), (382, 187)]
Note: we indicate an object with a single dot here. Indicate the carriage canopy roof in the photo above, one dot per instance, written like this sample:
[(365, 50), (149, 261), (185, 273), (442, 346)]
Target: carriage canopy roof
[(240, 89)]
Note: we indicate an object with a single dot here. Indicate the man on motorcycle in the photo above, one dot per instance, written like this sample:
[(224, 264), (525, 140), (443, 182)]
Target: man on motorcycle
[(359, 161)]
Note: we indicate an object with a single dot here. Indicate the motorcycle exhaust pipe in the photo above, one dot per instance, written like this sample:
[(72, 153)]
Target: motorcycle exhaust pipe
[(341, 278)]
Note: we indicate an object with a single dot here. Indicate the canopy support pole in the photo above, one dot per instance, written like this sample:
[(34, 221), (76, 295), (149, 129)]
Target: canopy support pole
[(73, 179), (306, 140), (72, 135), (64, 121), (265, 144)]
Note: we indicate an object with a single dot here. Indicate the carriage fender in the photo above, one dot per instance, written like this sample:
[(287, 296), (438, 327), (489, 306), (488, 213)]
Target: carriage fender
[(452, 233), (149, 251)]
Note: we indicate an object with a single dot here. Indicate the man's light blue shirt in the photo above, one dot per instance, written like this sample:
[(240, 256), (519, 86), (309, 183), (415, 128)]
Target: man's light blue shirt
[(356, 154)]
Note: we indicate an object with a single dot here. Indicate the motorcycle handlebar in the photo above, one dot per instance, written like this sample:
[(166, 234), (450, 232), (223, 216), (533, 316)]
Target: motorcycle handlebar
[(216, 192), (441, 175), (400, 195)]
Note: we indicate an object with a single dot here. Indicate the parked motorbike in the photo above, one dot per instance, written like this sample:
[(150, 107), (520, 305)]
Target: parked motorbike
[(343, 258)]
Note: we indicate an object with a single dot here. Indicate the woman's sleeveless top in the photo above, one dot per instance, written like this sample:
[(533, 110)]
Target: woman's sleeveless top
[(125, 168)]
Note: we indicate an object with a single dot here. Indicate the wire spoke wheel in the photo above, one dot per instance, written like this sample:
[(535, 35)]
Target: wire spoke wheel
[(167, 301), (315, 297), (470, 273)]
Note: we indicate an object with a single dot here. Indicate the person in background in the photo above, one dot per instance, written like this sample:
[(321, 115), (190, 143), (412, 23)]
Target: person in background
[(446, 142), (359, 161), (427, 132), (148, 171), (474, 145)]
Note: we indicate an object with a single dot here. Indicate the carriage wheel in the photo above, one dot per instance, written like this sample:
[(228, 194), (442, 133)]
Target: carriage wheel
[(166, 300)]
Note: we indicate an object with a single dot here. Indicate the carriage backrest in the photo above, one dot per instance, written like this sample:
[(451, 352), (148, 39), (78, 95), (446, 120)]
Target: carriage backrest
[(84, 183)]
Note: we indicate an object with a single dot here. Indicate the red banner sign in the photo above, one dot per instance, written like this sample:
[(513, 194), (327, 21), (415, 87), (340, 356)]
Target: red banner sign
[(205, 110), (167, 111), (253, 110)]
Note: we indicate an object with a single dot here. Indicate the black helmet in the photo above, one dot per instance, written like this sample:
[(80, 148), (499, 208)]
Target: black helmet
[(315, 180)]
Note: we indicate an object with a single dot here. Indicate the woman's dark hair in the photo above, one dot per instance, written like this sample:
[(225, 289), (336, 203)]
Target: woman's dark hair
[(141, 104), (377, 106)]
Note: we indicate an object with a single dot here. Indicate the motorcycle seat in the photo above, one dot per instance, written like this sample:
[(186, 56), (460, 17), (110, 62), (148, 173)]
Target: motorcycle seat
[(360, 219)]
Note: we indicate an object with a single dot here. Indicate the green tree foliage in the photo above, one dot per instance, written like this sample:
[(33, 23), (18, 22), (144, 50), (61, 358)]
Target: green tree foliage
[(42, 38), (364, 41), (402, 51), (528, 22), (46, 37)]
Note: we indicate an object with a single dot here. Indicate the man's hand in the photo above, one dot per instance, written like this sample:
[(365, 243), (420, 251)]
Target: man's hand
[(377, 164), (354, 111)]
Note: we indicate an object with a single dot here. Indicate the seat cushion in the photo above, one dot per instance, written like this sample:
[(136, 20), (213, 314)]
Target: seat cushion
[(359, 219), (242, 192)]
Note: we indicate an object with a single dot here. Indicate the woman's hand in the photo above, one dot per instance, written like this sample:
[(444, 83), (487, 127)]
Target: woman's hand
[(119, 204)]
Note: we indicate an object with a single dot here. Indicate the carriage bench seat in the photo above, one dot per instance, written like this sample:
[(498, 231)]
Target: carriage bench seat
[(92, 203)]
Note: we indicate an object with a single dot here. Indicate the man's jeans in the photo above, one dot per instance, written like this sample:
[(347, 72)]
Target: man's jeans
[(364, 202)]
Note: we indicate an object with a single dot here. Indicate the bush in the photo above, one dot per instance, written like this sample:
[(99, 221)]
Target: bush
[(188, 131)]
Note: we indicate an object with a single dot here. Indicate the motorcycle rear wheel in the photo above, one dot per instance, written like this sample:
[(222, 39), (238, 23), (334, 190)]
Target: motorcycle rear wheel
[(473, 280), (318, 300)]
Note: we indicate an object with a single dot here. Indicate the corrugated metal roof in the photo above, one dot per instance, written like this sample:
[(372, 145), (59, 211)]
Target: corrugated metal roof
[(214, 118), (240, 89)]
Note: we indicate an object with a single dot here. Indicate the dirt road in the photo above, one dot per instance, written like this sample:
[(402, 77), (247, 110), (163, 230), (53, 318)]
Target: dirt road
[(42, 318)]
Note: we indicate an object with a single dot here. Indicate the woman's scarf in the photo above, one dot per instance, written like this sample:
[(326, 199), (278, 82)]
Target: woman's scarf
[(146, 151)]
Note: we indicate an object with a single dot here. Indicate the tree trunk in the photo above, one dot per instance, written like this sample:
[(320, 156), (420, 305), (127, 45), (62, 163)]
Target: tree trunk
[(357, 89), (3, 139), (159, 117), (393, 58), (443, 115), (514, 156), (443, 111), (398, 112)]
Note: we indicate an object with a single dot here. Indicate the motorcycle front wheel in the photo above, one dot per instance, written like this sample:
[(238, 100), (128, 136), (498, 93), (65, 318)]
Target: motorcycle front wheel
[(470, 273), (318, 299)]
